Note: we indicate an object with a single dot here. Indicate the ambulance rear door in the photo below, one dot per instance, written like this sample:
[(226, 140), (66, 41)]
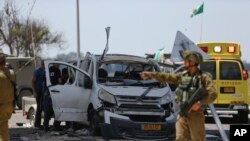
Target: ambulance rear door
[(232, 88)]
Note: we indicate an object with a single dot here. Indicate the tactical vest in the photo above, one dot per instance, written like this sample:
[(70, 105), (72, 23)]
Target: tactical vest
[(187, 87)]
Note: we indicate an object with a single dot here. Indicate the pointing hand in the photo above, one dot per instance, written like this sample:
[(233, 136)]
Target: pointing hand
[(146, 75)]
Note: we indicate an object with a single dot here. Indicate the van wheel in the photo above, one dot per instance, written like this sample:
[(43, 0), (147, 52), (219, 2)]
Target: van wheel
[(31, 117), (21, 95), (95, 128)]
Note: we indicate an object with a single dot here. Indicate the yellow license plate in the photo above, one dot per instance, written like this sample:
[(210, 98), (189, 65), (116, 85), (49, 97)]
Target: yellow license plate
[(155, 127)]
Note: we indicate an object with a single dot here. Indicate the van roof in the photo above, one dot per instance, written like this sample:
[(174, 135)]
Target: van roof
[(123, 57)]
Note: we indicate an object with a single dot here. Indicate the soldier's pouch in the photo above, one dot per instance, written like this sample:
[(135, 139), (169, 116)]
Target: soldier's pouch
[(178, 94), (185, 82)]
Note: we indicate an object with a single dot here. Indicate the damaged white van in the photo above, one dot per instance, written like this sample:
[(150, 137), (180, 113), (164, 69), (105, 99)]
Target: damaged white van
[(108, 94)]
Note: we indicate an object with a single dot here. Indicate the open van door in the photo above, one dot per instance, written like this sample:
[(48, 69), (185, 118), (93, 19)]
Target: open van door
[(69, 100)]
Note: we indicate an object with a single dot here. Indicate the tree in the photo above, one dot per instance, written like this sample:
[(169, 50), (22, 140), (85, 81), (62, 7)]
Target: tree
[(24, 36)]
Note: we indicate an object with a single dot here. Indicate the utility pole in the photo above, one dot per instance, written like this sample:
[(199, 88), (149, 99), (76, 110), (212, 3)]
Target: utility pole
[(78, 29), (31, 31)]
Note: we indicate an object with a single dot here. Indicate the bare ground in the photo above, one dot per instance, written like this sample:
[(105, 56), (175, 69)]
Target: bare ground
[(20, 130)]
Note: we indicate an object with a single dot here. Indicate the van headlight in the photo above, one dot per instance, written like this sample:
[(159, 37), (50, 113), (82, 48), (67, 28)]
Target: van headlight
[(166, 98), (107, 97)]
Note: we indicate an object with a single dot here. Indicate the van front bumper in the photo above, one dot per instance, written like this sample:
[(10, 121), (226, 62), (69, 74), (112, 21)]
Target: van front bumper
[(117, 126)]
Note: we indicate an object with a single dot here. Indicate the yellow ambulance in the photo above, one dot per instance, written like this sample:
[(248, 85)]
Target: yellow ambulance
[(230, 77)]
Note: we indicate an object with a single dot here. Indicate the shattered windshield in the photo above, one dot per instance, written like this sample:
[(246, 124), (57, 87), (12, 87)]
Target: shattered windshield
[(125, 74)]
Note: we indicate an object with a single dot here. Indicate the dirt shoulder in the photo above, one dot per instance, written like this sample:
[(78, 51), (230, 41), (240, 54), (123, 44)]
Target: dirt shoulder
[(20, 130)]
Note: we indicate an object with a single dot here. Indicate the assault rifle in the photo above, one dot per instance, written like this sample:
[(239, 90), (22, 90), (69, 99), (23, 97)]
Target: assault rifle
[(199, 94)]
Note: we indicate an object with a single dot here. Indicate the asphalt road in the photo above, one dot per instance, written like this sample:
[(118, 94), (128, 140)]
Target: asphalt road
[(20, 130)]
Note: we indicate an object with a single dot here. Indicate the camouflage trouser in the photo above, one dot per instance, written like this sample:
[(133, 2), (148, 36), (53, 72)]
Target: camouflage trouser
[(191, 127), (4, 131)]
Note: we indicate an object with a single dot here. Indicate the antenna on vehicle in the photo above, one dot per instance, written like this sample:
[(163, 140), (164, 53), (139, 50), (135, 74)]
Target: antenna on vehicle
[(107, 44)]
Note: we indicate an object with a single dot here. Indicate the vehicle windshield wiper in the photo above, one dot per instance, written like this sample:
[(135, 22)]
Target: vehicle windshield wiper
[(144, 93), (131, 82)]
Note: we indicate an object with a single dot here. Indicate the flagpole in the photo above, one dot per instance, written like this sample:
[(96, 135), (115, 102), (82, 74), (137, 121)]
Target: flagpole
[(78, 30), (196, 11), (201, 27), (201, 21)]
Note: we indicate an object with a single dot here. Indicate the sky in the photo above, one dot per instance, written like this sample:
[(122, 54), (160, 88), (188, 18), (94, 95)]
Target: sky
[(141, 26)]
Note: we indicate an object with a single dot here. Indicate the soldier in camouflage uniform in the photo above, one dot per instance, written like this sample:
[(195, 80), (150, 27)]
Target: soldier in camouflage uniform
[(6, 98), (191, 127)]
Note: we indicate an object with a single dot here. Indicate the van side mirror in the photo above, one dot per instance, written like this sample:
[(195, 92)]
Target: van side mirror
[(87, 83)]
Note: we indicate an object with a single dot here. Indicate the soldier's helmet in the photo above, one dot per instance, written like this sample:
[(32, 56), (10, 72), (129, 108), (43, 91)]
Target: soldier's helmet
[(192, 56)]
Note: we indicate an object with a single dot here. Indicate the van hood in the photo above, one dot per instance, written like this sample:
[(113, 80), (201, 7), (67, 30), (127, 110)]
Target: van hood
[(136, 91)]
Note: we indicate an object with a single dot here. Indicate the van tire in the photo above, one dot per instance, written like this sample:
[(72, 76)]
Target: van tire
[(25, 92), (95, 128)]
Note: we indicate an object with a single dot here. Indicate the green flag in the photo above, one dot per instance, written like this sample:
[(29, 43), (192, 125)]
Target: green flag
[(197, 10), (158, 54)]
